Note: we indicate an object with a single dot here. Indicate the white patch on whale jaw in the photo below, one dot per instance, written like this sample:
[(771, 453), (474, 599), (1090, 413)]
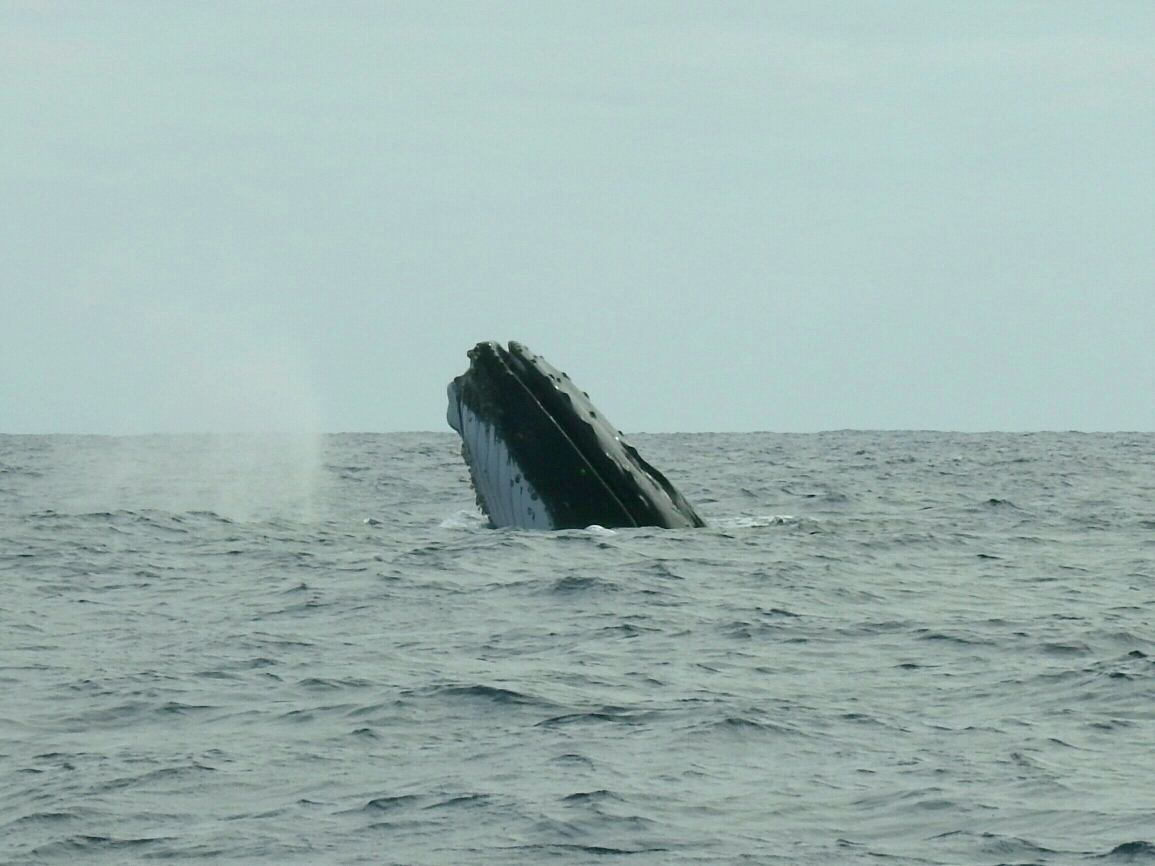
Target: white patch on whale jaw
[(502, 490)]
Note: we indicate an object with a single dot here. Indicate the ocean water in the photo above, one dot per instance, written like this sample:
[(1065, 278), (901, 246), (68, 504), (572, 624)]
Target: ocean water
[(903, 648)]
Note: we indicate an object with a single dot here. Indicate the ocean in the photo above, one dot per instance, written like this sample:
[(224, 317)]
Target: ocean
[(885, 648)]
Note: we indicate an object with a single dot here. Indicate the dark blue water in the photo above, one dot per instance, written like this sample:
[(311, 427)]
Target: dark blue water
[(908, 648)]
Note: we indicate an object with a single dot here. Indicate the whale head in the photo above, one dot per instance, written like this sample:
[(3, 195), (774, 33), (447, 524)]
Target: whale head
[(541, 456)]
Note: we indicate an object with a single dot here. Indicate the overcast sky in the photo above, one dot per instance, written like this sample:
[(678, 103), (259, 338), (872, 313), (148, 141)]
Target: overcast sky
[(714, 215)]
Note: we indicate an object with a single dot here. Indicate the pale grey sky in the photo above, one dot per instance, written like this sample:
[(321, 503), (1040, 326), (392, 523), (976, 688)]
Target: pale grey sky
[(714, 215)]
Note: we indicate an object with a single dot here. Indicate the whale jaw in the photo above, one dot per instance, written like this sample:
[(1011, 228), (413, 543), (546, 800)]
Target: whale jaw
[(503, 492)]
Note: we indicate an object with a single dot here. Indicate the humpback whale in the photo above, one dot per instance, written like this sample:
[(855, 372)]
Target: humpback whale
[(542, 457)]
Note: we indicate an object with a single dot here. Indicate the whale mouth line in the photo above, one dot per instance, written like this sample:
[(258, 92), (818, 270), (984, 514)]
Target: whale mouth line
[(540, 455)]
